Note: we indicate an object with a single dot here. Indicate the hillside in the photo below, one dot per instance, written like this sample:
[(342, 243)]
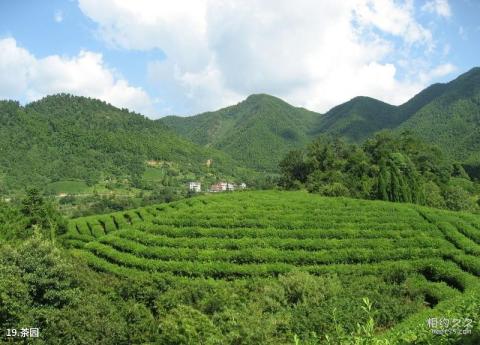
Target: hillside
[(447, 115), (412, 261), (257, 131), (84, 141), (452, 119), (356, 119), (361, 117), (70, 144), (261, 129)]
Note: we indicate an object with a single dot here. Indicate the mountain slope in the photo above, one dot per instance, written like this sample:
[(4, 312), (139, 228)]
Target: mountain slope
[(257, 132), (356, 119), (362, 116), (452, 120), (261, 129), (63, 137), (447, 115)]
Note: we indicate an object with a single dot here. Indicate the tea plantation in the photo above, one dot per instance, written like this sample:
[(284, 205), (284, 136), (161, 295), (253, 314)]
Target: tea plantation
[(231, 238)]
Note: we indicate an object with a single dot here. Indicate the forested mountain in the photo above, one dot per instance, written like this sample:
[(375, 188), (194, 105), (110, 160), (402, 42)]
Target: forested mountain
[(257, 132), (452, 119), (357, 119), (262, 128), (447, 115), (361, 117), (64, 137)]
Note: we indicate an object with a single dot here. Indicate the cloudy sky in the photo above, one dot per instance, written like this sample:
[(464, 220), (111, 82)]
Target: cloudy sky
[(183, 57)]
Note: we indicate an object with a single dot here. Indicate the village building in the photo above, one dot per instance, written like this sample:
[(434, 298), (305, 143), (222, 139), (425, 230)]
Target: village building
[(195, 187), (218, 187), (223, 187)]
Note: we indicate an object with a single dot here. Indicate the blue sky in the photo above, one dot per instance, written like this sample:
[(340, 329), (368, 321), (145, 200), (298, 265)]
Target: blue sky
[(184, 57)]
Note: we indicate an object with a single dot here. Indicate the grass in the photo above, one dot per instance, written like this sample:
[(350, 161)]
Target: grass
[(67, 187), (154, 174)]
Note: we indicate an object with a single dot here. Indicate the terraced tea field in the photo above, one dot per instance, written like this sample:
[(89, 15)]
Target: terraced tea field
[(266, 234)]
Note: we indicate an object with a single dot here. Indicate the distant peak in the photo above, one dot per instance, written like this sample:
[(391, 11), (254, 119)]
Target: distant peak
[(472, 73), (263, 99), (474, 70), (261, 96), (364, 99)]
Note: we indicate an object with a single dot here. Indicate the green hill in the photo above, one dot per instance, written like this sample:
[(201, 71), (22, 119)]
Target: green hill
[(452, 119), (256, 132), (356, 119), (413, 262), (77, 140), (447, 115), (260, 130), (361, 117)]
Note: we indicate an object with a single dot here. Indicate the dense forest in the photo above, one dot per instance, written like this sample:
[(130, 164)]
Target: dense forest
[(255, 132), (389, 166), (73, 145), (68, 138), (261, 129)]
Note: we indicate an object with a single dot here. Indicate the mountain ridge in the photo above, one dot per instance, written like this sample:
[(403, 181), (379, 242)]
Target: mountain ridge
[(354, 120), (258, 131), (80, 136)]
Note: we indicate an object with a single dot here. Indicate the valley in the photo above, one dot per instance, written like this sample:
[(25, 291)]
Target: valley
[(259, 223)]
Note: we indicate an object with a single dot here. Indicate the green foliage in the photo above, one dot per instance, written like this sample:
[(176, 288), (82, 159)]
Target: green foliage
[(443, 114), (33, 213), (450, 120), (284, 264), (458, 199), (257, 132), (187, 326), (390, 167), (357, 119), (63, 142), (433, 195), (13, 224), (15, 298)]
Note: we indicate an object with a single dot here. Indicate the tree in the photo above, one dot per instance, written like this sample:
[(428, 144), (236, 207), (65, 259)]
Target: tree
[(458, 199), (389, 166), (42, 214), (399, 180), (294, 169)]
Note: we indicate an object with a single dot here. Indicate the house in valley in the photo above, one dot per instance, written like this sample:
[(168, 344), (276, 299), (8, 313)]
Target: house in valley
[(195, 187), (222, 187)]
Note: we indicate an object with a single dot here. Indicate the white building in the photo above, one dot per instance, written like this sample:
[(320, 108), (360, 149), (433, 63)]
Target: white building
[(195, 187), (222, 187)]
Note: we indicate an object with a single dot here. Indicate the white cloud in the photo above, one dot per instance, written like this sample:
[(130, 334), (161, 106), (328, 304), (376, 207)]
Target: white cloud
[(26, 77), (58, 16), (393, 18), (311, 53), (439, 7), (441, 71), (438, 72)]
